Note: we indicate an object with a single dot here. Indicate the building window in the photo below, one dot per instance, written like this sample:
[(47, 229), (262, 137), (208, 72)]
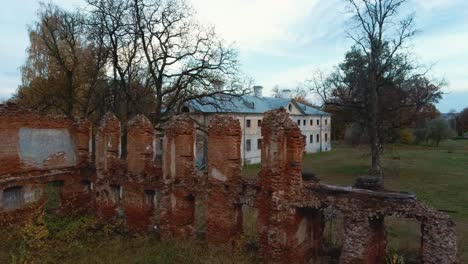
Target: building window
[(311, 122), (259, 123), (326, 121), (150, 198), (318, 122), (311, 139), (289, 107), (304, 122), (259, 143), (317, 138), (248, 145), (326, 137), (299, 122), (248, 122)]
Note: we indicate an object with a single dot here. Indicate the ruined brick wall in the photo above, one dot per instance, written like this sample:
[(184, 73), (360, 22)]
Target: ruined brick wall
[(284, 231), (150, 197), (177, 200), (224, 214), (107, 142), (36, 149)]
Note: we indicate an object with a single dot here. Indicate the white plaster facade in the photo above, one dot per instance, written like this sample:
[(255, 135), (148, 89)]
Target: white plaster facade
[(314, 127)]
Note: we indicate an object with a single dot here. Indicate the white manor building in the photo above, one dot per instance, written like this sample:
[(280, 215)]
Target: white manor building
[(249, 109)]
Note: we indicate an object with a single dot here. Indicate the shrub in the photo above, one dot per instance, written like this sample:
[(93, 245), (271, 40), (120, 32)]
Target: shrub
[(406, 136)]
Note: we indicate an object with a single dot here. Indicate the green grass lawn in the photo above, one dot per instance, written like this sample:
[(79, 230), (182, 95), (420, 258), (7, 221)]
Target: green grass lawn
[(438, 176)]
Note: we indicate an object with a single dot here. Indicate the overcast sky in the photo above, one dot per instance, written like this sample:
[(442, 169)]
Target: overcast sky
[(283, 42)]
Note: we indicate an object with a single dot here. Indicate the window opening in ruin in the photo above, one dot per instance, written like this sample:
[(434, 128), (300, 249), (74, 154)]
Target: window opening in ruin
[(332, 234), (53, 196), (249, 228), (403, 238), (87, 186), (116, 193), (13, 198), (150, 198), (248, 145)]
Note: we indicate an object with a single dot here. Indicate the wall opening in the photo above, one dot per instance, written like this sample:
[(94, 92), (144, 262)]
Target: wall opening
[(116, 193), (150, 199), (332, 234), (13, 198), (249, 228), (53, 196), (403, 239), (87, 186)]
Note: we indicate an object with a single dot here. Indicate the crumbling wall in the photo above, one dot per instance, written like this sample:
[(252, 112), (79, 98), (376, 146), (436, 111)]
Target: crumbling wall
[(177, 199), (153, 196), (36, 149), (284, 231), (224, 214)]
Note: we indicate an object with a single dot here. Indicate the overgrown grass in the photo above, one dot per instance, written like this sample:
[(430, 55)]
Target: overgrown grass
[(55, 239)]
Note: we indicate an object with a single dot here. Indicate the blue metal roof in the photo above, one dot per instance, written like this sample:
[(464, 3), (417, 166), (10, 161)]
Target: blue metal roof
[(248, 104)]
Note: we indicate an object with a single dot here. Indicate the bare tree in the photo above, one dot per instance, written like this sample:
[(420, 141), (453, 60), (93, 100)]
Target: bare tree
[(184, 60), (380, 34)]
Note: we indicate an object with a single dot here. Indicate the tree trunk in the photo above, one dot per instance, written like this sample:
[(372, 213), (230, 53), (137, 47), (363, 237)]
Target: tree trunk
[(69, 93), (373, 124)]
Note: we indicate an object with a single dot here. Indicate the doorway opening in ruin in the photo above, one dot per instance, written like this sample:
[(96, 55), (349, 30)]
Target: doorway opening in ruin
[(249, 228), (403, 239), (309, 234), (13, 198), (53, 196), (332, 234)]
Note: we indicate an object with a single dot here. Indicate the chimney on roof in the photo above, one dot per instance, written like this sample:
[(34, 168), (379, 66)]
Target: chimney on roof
[(258, 91), (286, 93)]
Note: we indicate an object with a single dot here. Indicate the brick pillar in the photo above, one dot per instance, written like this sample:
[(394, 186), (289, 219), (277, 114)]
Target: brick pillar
[(438, 243), (82, 136), (364, 239), (282, 227), (177, 203), (139, 144), (179, 147), (107, 142), (224, 214)]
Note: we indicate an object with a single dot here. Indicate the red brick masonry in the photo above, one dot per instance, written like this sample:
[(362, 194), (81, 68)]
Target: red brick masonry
[(37, 149)]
